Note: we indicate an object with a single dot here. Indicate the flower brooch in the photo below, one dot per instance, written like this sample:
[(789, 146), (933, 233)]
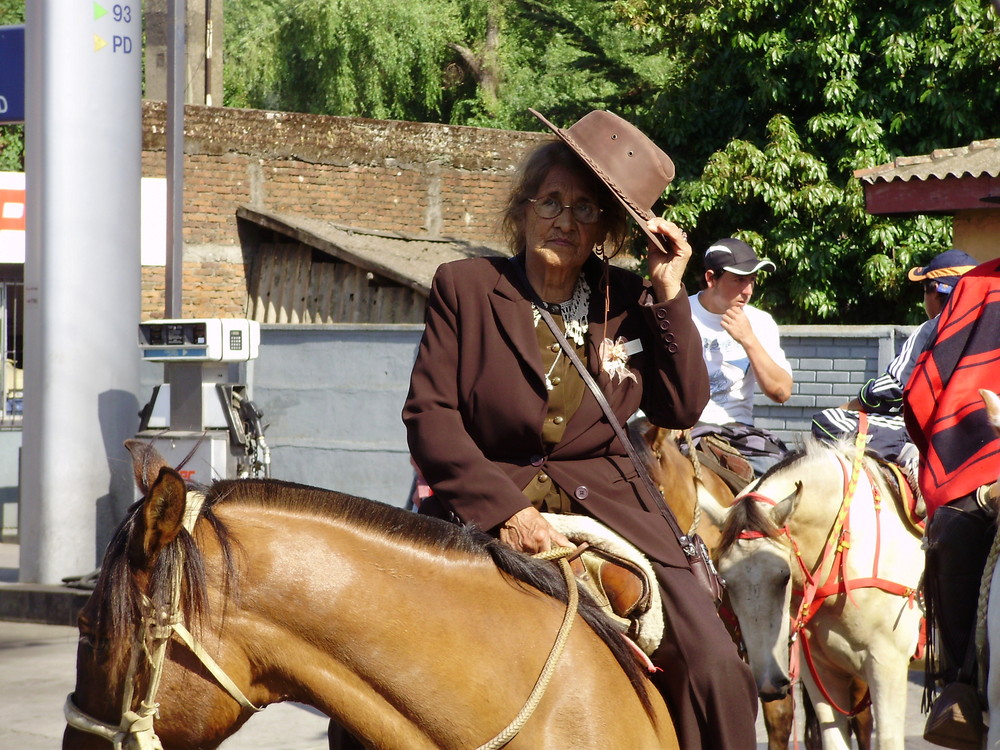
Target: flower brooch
[(614, 357)]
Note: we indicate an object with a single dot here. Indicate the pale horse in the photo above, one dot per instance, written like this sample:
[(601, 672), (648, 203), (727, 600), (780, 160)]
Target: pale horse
[(992, 402), (819, 554)]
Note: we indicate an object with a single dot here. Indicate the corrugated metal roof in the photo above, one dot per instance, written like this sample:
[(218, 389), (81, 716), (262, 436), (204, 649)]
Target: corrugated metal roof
[(979, 159), (407, 260)]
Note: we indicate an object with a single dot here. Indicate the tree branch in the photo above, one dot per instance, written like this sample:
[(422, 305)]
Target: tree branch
[(469, 59)]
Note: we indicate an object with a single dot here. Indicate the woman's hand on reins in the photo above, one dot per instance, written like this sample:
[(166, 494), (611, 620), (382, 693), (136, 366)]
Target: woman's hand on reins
[(528, 531), (666, 269)]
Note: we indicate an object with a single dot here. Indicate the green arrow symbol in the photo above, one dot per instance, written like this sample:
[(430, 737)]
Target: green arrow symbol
[(99, 11)]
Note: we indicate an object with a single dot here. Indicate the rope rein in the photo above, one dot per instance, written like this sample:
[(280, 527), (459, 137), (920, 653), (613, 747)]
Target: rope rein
[(561, 554), (696, 465)]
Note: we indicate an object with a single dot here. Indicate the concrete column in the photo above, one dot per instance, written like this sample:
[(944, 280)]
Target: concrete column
[(82, 280)]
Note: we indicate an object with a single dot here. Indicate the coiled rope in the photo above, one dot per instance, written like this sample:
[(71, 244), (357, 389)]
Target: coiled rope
[(562, 555)]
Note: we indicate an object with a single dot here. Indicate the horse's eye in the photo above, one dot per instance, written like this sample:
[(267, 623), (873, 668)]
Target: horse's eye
[(88, 636)]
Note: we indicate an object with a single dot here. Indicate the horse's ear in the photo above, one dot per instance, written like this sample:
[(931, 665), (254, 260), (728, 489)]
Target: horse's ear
[(655, 436), (162, 517), (146, 463), (992, 402), (784, 508)]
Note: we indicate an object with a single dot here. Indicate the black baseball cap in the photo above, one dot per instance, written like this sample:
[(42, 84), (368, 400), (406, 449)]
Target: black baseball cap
[(735, 256)]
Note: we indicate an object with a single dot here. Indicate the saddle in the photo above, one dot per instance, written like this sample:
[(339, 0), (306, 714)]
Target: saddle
[(906, 496), (724, 449), (617, 576), (717, 455)]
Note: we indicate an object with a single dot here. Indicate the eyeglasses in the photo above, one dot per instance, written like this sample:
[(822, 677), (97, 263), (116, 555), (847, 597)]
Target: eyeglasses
[(584, 212)]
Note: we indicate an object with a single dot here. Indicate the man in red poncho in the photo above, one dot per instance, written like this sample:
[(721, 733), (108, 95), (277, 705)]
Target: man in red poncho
[(959, 459)]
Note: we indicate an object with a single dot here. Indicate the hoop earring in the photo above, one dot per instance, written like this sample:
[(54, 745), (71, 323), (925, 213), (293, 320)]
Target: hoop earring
[(599, 251)]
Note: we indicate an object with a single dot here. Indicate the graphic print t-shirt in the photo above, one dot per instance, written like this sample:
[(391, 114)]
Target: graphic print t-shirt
[(731, 379)]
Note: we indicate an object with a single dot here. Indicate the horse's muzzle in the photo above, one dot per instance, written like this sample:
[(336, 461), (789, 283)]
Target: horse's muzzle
[(775, 691)]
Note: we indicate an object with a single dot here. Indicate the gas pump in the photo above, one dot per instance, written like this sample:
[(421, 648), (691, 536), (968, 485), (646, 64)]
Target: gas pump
[(201, 418)]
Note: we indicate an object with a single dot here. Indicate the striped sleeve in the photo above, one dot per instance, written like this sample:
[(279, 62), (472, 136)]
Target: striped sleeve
[(884, 394)]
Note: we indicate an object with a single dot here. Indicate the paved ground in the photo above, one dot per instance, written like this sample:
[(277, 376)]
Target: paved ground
[(37, 665)]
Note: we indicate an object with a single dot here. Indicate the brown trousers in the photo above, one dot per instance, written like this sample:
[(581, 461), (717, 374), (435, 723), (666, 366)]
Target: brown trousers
[(707, 687)]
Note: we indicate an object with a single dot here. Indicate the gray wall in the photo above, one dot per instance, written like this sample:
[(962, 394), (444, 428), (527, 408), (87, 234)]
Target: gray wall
[(10, 455), (332, 396), (829, 364)]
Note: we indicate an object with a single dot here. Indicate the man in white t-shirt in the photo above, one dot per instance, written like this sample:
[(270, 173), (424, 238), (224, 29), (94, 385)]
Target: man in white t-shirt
[(740, 343)]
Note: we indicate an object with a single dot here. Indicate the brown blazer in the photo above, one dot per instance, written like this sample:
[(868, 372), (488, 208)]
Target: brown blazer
[(477, 399)]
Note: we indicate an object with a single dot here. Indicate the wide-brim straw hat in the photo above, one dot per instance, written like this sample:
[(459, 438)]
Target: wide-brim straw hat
[(634, 168)]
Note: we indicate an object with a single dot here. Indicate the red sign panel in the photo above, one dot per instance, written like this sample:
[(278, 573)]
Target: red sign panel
[(12, 209)]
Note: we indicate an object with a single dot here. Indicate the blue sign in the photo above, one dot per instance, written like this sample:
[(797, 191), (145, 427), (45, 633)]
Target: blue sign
[(11, 74)]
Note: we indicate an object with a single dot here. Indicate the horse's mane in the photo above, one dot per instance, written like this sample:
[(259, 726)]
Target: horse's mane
[(120, 601), (751, 517)]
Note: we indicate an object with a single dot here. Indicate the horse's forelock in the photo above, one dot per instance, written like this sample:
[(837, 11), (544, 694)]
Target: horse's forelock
[(745, 516), (119, 601)]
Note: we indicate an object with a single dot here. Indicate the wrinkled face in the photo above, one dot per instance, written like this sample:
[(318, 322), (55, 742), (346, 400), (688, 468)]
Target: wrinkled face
[(562, 242), (758, 581), (728, 290)]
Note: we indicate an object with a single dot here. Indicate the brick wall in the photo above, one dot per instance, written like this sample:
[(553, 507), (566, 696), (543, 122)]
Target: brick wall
[(414, 178)]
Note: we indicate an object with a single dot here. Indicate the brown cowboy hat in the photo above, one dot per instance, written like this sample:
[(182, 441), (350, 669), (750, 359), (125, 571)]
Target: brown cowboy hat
[(623, 158)]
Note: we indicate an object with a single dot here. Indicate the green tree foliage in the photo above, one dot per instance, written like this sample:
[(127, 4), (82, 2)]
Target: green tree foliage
[(780, 104), (767, 106), (566, 57), (11, 136), (385, 59)]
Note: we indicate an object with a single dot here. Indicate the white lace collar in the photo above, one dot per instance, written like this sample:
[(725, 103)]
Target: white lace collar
[(574, 311)]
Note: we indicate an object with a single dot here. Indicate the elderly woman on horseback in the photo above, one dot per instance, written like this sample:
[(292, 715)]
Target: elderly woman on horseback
[(504, 426)]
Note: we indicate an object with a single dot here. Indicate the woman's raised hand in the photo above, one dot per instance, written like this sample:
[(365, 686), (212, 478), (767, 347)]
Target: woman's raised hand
[(666, 268)]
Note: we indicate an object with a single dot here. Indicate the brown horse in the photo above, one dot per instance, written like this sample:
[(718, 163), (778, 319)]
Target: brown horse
[(675, 474), (407, 631)]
